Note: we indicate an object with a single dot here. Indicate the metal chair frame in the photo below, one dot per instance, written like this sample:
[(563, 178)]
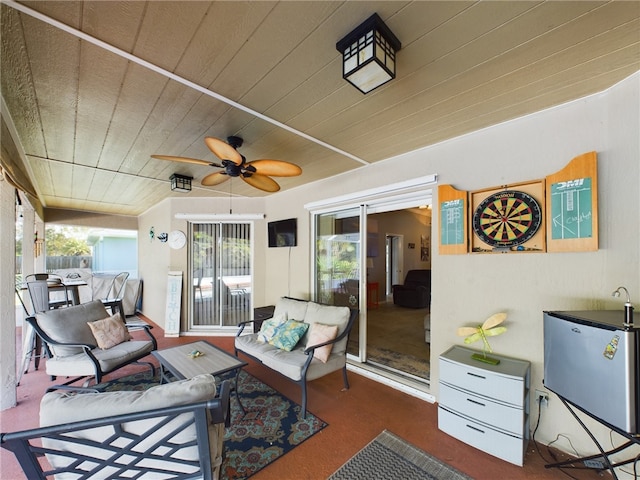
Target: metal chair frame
[(33, 349), (111, 294), (131, 462)]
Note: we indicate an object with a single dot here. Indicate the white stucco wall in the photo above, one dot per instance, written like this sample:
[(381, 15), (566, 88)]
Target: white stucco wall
[(468, 288)]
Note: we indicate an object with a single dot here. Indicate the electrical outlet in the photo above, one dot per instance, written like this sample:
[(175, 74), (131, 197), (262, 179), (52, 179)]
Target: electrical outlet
[(542, 398)]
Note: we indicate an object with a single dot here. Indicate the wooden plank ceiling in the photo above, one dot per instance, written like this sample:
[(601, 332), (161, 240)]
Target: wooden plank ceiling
[(93, 89)]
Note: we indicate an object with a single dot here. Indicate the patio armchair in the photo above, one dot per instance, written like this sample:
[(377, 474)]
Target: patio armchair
[(174, 430), (85, 341)]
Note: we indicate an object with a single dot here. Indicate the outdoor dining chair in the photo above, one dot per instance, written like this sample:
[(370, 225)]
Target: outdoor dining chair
[(39, 292)]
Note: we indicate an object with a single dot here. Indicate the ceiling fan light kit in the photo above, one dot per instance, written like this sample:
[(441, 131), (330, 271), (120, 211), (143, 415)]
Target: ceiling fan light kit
[(369, 54), (180, 183), (256, 173)]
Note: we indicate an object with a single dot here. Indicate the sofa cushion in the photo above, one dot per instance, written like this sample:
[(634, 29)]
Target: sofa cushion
[(320, 333), (109, 331), (69, 325), (60, 407), (288, 334), (290, 363), (294, 309), (269, 327)]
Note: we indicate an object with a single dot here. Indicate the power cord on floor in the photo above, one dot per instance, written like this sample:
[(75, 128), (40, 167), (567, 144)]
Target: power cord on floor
[(535, 444), (635, 461)]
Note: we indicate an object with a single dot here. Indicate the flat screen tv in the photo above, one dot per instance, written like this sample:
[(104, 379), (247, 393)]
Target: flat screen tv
[(283, 233)]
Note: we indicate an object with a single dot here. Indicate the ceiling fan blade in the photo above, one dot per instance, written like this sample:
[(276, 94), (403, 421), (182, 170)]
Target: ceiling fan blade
[(182, 159), (277, 168), (261, 182), (214, 179), (223, 150)]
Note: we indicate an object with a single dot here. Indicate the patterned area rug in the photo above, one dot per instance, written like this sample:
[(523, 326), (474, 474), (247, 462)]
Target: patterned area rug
[(271, 427), (389, 456)]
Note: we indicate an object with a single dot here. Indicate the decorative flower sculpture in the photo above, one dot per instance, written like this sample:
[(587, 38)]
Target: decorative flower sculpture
[(489, 328)]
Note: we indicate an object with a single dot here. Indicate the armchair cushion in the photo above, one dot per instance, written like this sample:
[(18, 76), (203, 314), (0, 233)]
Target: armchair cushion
[(109, 331), (69, 325), (80, 364)]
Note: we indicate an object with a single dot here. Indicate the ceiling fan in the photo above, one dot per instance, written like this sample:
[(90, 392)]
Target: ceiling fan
[(256, 173)]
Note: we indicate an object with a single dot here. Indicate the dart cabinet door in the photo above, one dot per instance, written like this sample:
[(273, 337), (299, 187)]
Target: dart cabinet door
[(483, 405)]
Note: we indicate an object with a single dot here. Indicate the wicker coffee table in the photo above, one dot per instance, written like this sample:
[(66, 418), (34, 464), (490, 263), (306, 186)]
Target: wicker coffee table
[(181, 362)]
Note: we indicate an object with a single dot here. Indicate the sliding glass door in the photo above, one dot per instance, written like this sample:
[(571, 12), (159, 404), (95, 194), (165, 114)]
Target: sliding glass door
[(221, 275), (351, 251), (338, 262)]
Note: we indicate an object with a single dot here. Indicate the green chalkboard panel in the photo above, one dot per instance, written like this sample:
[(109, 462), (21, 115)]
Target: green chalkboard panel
[(453, 220), (572, 206), (571, 209), (452, 216)]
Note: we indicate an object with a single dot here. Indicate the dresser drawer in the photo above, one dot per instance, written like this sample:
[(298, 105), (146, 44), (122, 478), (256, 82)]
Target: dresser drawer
[(480, 436), (501, 416), (482, 382)]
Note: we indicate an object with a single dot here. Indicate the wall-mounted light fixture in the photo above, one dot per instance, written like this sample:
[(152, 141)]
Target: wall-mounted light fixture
[(180, 183), (369, 54)]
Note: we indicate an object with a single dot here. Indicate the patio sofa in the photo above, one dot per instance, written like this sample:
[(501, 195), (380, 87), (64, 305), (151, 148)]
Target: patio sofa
[(320, 348), (175, 430)]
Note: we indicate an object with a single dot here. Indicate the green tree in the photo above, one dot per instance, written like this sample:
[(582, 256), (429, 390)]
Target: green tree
[(65, 242)]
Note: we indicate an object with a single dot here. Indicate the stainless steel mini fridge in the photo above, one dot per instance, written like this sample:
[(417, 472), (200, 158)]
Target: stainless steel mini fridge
[(591, 360)]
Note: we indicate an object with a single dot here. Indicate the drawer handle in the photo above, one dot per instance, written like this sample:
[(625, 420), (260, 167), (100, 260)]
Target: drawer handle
[(476, 402), (476, 375), (475, 428)]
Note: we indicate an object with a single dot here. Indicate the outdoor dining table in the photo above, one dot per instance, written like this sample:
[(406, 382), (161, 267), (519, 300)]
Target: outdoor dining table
[(72, 285)]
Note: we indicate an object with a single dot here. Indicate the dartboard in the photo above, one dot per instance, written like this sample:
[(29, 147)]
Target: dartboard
[(507, 219)]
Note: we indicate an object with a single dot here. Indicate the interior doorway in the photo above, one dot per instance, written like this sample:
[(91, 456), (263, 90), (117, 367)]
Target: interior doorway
[(393, 261), (395, 333)]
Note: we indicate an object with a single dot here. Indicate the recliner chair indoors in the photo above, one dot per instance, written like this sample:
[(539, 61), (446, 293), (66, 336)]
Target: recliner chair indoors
[(416, 290)]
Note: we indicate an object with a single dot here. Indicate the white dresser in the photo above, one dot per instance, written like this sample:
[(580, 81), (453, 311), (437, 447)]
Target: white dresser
[(486, 406)]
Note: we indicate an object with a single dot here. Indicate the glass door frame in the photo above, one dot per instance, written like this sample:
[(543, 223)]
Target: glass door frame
[(409, 194)]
